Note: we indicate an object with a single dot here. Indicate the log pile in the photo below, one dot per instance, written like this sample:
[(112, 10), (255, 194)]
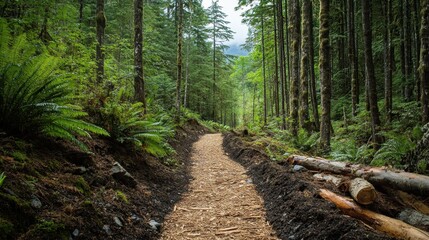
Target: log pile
[(361, 183), (390, 226), (407, 182)]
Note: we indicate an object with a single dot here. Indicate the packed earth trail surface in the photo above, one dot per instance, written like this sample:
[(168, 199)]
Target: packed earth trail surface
[(222, 202)]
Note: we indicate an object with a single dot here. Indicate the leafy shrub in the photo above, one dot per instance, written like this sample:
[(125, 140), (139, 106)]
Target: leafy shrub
[(34, 100), (126, 123)]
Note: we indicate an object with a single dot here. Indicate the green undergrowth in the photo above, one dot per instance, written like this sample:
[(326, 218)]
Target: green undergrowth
[(351, 139)]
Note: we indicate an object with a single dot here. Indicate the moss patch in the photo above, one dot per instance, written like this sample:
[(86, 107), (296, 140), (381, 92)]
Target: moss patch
[(48, 230), (6, 228), (82, 185)]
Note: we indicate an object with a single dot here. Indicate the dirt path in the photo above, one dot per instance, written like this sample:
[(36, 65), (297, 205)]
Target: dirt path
[(222, 202)]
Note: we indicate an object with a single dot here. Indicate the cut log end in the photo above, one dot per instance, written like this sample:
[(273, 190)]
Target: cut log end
[(362, 191)]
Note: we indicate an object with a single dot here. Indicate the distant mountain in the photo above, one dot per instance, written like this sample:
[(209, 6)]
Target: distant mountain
[(235, 49)]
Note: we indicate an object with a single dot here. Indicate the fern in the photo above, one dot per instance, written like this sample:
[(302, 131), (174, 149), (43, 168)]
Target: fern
[(349, 152), (127, 124), (34, 100), (393, 151), (2, 177)]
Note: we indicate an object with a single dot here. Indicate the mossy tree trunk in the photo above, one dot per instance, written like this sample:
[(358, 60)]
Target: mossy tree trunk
[(312, 75), (276, 65), (325, 76), (388, 59), (282, 57), (294, 30), (139, 88), (353, 56), (100, 26), (305, 63), (424, 60), (369, 72), (179, 57), (263, 67)]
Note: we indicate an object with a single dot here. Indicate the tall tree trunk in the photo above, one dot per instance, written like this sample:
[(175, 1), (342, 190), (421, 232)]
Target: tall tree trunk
[(370, 74), (325, 75), (400, 21), (388, 59), (313, 89), (353, 56), (287, 62), (81, 5), (276, 64), (416, 38), (179, 58), (305, 63), (139, 88), (100, 25), (263, 69), (188, 44), (282, 56), (44, 34), (342, 47), (214, 73), (409, 84), (424, 60), (295, 33)]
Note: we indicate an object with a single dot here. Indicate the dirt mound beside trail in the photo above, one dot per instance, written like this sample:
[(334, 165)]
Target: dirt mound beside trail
[(294, 207)]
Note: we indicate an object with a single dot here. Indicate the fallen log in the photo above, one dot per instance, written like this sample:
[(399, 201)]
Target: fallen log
[(328, 178), (320, 164), (411, 201), (408, 182), (405, 181), (390, 226), (362, 191)]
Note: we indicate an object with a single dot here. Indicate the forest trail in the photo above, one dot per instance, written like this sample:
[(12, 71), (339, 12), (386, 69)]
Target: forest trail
[(222, 202)]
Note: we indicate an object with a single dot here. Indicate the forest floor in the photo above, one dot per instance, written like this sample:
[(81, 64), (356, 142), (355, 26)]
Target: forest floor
[(221, 203), (291, 199), (54, 191)]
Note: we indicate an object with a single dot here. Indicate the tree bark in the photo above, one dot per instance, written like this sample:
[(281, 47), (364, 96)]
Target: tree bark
[(424, 60), (282, 57), (417, 43), (188, 44), (100, 26), (353, 56), (313, 89), (294, 30), (390, 226), (305, 63), (370, 74), (388, 59), (263, 68), (276, 65), (409, 83), (44, 34), (81, 5), (325, 75), (179, 58), (139, 88)]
